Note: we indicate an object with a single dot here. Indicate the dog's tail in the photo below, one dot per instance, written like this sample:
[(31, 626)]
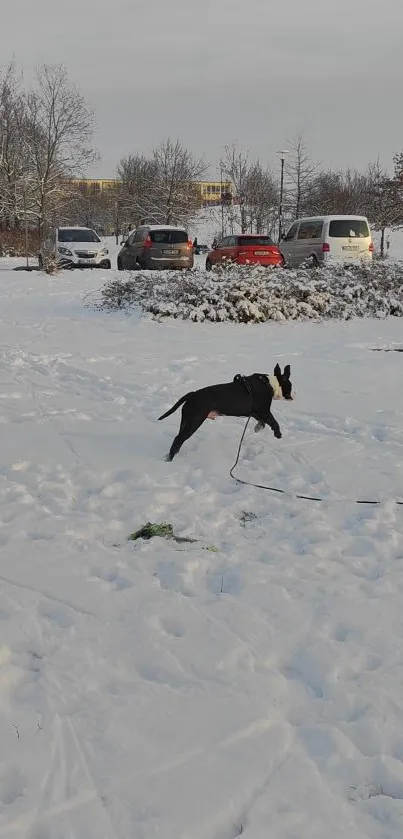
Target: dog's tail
[(176, 406)]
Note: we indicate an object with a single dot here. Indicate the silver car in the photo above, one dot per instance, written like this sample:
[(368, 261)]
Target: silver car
[(156, 246)]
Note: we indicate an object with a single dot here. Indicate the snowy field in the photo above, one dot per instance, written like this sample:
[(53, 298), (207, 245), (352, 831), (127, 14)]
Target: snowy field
[(160, 690)]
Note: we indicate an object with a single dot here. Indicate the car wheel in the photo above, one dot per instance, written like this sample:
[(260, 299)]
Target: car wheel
[(105, 263), (208, 265), (119, 264), (313, 261), (40, 262)]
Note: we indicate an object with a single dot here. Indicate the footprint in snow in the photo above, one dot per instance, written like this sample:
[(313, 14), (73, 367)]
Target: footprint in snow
[(171, 627), (12, 785), (111, 577), (58, 616)]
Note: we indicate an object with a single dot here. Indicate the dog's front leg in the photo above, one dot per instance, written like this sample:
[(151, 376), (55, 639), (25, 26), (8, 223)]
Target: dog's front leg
[(272, 422)]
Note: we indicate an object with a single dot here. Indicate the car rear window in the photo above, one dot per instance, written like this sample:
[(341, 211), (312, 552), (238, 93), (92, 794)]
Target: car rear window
[(348, 229), (255, 240), (168, 237), (77, 235)]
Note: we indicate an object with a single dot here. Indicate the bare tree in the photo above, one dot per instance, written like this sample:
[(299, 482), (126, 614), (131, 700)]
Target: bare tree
[(160, 188), (235, 166), (138, 198), (398, 163), (15, 174), (88, 205), (300, 171), (176, 172), (256, 190), (260, 199), (59, 140), (336, 193), (383, 200)]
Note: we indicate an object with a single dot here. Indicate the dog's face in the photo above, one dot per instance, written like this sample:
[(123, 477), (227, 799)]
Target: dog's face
[(284, 380)]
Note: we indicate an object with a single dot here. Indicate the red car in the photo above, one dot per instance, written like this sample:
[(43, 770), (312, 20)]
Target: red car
[(246, 249)]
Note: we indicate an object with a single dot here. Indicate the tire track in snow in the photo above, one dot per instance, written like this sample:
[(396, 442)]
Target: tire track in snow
[(67, 763), (239, 824), (56, 778), (51, 597)]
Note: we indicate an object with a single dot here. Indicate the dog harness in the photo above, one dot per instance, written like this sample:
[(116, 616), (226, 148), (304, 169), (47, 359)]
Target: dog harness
[(271, 381)]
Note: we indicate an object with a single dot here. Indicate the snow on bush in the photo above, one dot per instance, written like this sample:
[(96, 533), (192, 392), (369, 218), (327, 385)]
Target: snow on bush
[(255, 294)]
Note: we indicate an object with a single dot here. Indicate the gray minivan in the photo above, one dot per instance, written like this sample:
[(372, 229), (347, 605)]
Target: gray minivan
[(323, 239), (156, 246)]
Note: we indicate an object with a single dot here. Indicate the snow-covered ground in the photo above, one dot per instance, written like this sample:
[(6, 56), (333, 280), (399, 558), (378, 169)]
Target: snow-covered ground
[(163, 690)]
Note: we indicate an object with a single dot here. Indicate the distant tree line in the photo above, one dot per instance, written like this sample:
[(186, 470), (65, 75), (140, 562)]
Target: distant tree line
[(46, 141)]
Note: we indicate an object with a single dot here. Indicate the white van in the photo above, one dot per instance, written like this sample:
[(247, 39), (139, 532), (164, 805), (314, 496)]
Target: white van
[(322, 239)]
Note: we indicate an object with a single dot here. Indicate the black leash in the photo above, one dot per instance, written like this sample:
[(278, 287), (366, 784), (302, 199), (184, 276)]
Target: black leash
[(283, 491)]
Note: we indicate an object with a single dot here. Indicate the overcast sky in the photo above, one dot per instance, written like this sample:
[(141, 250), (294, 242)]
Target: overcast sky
[(214, 71)]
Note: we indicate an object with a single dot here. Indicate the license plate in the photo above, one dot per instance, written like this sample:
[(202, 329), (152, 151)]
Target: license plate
[(350, 247), (171, 253), (84, 261), (262, 253)]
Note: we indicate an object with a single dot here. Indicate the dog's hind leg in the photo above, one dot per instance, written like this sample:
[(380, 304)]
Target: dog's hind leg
[(187, 428)]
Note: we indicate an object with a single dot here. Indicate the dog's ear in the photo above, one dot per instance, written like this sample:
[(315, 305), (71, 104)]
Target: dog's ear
[(277, 372), (287, 371)]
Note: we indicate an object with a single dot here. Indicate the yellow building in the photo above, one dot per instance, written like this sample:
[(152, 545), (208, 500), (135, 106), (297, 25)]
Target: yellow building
[(211, 191), (95, 185)]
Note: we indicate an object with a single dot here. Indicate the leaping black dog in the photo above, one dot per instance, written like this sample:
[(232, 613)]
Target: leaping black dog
[(243, 397)]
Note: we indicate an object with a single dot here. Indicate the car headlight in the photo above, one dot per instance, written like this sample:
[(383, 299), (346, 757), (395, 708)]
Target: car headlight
[(65, 251), (103, 252)]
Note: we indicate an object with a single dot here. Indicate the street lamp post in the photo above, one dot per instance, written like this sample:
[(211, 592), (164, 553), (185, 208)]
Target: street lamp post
[(282, 154), (117, 221)]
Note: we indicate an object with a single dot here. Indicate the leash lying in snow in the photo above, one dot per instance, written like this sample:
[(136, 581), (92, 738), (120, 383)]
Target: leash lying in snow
[(297, 494)]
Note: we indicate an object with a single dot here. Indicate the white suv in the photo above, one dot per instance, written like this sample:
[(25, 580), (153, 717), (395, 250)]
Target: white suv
[(75, 247)]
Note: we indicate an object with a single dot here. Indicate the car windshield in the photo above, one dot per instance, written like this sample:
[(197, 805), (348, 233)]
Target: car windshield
[(349, 229), (255, 240), (168, 237), (77, 235)]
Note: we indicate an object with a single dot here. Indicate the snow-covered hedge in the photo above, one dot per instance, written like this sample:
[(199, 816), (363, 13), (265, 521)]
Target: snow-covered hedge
[(255, 294)]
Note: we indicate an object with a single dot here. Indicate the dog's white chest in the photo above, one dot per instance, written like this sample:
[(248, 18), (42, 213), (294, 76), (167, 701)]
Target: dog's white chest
[(278, 393)]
